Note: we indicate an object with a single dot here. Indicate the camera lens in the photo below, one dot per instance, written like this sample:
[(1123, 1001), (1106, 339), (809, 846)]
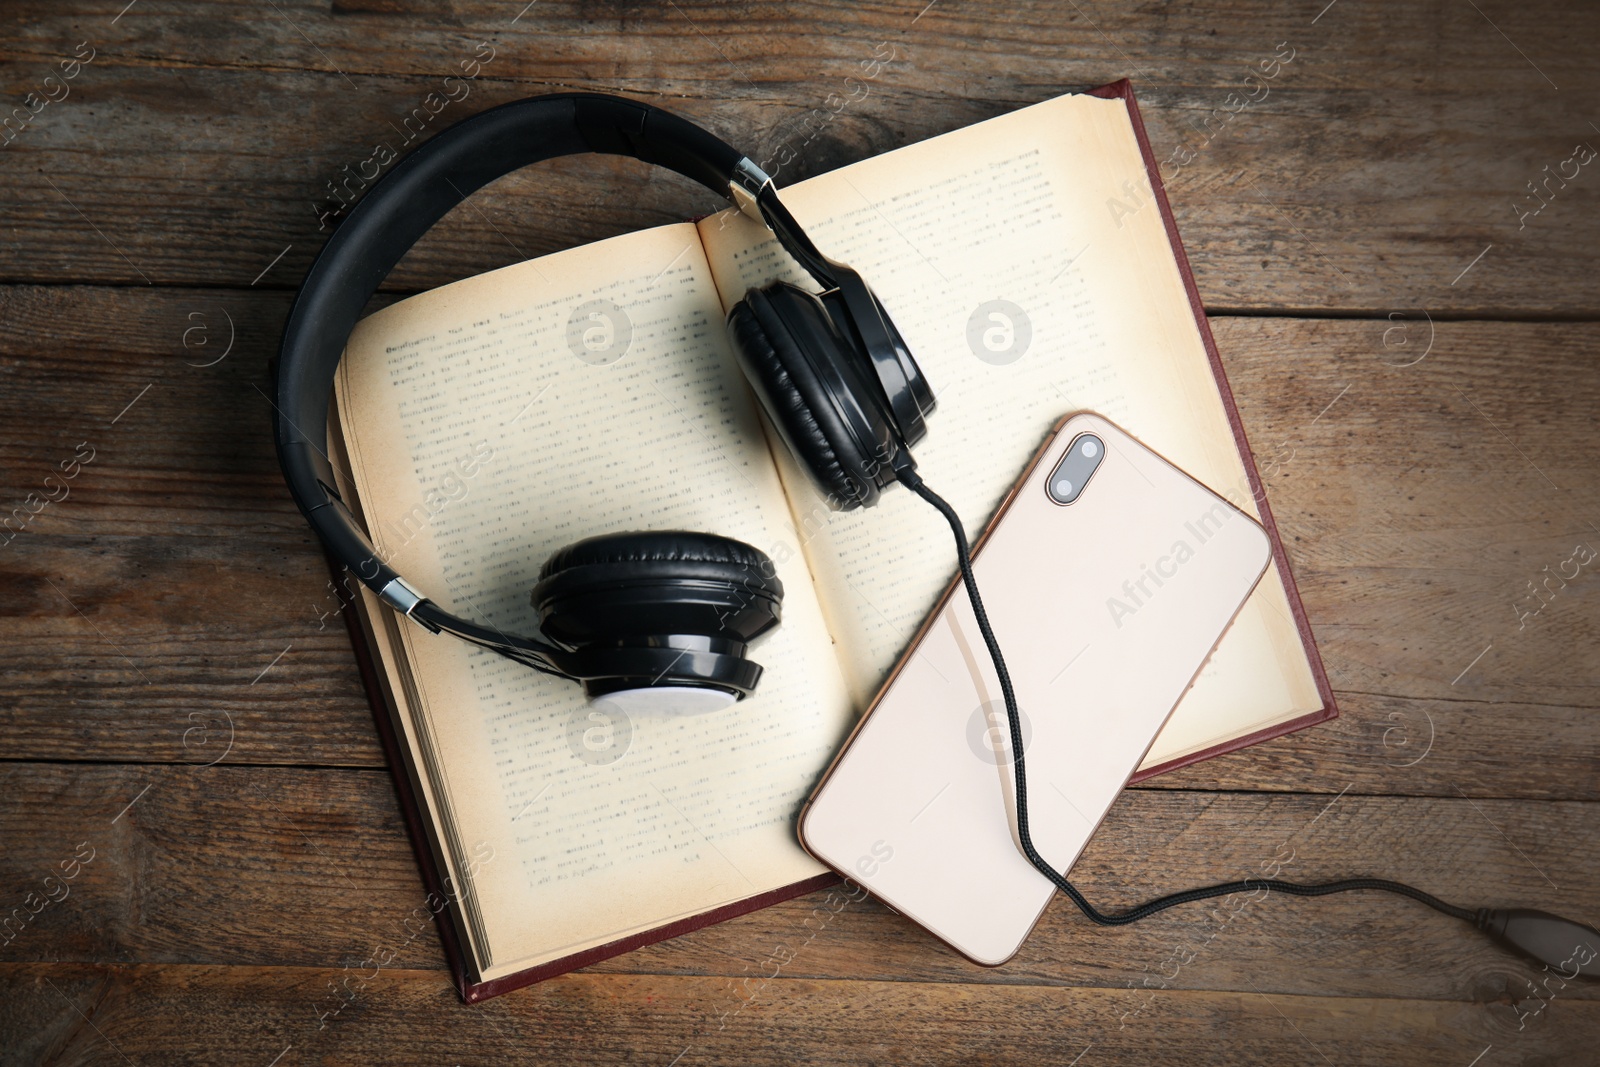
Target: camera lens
[(1071, 476)]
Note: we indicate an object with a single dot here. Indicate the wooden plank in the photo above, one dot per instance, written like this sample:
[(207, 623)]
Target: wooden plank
[(1195, 43), (240, 865), (201, 1015), (178, 650), (1413, 527), (1390, 152)]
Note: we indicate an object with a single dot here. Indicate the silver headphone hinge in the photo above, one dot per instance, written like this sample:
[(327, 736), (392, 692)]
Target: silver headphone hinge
[(400, 596), (746, 183)]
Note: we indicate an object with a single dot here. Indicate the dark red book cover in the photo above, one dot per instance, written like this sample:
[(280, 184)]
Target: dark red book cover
[(417, 822)]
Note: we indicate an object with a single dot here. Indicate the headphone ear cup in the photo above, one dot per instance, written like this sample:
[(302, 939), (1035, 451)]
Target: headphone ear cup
[(804, 373), (908, 395), (662, 609)]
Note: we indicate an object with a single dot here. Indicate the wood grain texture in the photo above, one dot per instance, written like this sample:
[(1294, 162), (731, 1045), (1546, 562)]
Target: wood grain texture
[(202, 1015), (1374, 167), (1406, 339)]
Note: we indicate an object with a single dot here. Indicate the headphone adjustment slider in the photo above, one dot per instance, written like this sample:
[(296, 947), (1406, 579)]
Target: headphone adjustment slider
[(744, 186), (400, 596)]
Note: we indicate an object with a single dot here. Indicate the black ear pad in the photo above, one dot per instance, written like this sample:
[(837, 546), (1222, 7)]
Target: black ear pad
[(785, 405), (809, 379), (660, 608), (660, 546)]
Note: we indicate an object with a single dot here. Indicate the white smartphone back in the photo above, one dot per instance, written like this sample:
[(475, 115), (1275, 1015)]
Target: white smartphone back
[(1105, 609)]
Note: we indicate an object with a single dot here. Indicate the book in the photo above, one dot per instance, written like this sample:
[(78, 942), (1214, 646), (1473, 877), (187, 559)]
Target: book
[(1032, 264)]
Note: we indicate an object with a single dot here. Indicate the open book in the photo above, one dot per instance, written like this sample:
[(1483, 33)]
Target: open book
[(1032, 268)]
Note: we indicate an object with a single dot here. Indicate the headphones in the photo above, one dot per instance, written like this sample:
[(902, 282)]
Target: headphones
[(661, 620), (658, 619)]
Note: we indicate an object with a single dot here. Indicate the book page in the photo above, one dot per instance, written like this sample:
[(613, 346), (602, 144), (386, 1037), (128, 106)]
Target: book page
[(489, 423), (1025, 261), (380, 630)]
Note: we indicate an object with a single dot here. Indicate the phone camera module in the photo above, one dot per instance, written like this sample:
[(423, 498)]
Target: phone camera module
[(1083, 457)]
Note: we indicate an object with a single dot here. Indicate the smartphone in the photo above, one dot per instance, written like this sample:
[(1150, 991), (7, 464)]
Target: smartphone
[(1108, 575)]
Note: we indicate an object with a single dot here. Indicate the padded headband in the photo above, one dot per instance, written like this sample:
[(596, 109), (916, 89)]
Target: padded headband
[(393, 216)]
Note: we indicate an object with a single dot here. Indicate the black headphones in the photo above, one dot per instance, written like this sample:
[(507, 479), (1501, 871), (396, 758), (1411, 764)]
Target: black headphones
[(625, 614)]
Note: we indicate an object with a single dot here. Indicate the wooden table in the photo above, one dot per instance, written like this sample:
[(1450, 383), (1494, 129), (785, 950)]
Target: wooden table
[(1412, 346)]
